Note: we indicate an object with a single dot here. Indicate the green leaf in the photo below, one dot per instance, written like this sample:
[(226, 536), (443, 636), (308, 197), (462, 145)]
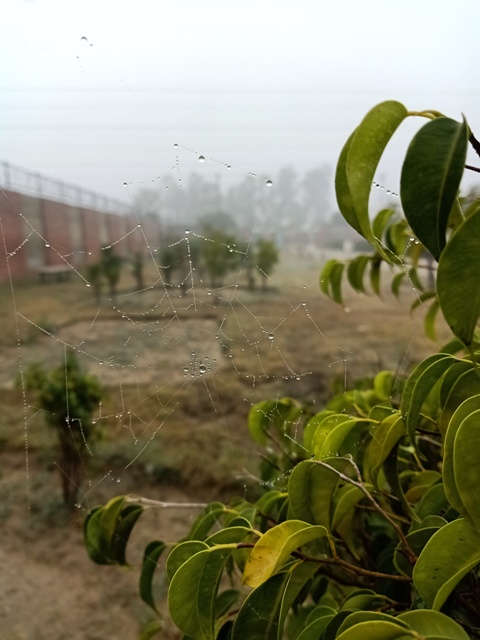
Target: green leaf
[(466, 465), (430, 179), (314, 630), (225, 601), (417, 541), (363, 154), (324, 427), (181, 553), (274, 548), (380, 222), (433, 502), (151, 555), (448, 556), (342, 189), (336, 282), (429, 623), (193, 592), (205, 521), (465, 386), (334, 440), (151, 630), (375, 275), (311, 427), (128, 517), (92, 533), (376, 630), (346, 498), (468, 407), (325, 274), (457, 280), (353, 620), (311, 488), (356, 271), (262, 615), (397, 283), (419, 385), (384, 437)]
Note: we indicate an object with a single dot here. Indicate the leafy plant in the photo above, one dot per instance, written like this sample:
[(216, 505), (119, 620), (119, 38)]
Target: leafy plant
[(68, 396), (266, 258), (369, 522), (220, 255), (111, 266)]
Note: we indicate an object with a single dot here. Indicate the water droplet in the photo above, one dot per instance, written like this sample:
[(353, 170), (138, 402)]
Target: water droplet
[(125, 184), (271, 336), (47, 245), (88, 284), (139, 226), (228, 166), (202, 369), (91, 45), (185, 369), (201, 158), (268, 183), (84, 39), (101, 362), (119, 480), (175, 146), (187, 231)]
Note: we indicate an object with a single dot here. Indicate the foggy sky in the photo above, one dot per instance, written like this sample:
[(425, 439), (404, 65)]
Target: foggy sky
[(256, 85)]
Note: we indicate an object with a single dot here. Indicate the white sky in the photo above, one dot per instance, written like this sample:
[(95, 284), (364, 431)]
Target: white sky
[(255, 84)]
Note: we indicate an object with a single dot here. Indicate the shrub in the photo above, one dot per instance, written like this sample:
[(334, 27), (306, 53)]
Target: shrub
[(369, 523)]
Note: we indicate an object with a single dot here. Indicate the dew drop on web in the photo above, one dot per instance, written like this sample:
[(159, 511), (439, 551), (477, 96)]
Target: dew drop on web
[(201, 158)]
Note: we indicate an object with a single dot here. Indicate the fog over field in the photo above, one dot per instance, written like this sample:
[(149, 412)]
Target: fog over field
[(98, 93)]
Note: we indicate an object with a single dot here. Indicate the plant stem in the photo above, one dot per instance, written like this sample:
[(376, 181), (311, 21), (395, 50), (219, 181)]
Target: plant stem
[(412, 558), (165, 505)]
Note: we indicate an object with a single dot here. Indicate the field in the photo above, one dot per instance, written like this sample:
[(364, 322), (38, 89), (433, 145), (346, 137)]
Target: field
[(179, 376)]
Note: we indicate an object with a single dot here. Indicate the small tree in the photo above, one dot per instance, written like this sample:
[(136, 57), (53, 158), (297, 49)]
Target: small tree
[(95, 279), (369, 524), (138, 264), (266, 258), (68, 396), (111, 265), (219, 256)]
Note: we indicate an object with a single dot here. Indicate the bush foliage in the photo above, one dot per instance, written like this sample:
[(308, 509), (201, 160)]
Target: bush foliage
[(369, 523)]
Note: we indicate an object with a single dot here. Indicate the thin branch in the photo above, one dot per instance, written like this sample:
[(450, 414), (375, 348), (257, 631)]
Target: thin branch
[(472, 168), (412, 558), (475, 143), (360, 571), (165, 505)]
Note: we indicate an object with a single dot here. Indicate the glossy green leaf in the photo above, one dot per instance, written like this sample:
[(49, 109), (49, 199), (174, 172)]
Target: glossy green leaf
[(205, 520), (357, 618), (151, 555), (333, 440), (465, 386), (193, 593), (457, 282), (273, 549), (466, 465), (449, 555), (324, 427), (311, 488), (468, 407), (376, 630), (362, 157), (262, 615), (430, 180), (225, 601), (419, 385), (384, 437), (342, 189), (181, 553), (433, 502), (314, 630), (311, 427), (433, 623), (448, 382)]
